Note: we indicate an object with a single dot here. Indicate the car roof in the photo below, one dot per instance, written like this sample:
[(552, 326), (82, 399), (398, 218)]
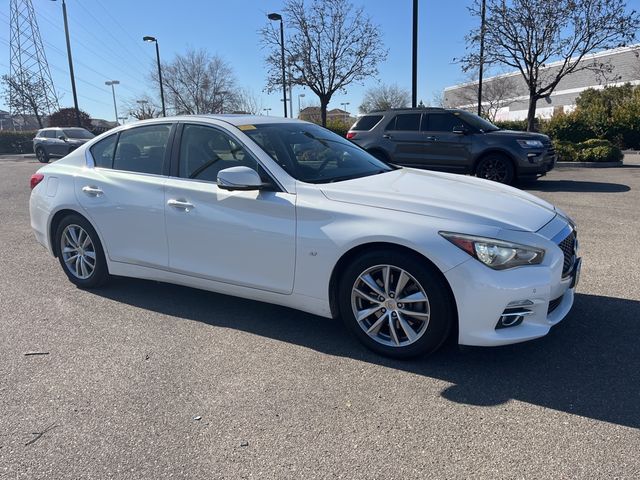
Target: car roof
[(230, 118), (410, 109)]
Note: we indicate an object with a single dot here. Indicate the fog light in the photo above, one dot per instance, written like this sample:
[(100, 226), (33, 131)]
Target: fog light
[(512, 317)]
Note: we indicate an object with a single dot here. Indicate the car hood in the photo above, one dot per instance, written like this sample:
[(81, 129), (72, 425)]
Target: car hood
[(518, 134), (443, 195)]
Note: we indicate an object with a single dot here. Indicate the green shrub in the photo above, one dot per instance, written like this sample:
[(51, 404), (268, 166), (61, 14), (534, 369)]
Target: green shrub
[(338, 127), (568, 127), (596, 150), (566, 151), (16, 142)]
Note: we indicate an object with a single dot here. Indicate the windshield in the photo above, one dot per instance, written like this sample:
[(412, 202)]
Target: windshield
[(477, 122), (312, 154), (80, 133)]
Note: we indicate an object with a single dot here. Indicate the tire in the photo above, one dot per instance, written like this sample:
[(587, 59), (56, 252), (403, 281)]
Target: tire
[(497, 168), (42, 155), (430, 320), (85, 271)]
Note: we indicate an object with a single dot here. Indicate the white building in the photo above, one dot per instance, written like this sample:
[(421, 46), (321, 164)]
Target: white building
[(507, 94)]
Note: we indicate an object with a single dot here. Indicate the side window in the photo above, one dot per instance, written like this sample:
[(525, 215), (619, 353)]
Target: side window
[(204, 151), (406, 122), (442, 122), (49, 134), (142, 149), (102, 152)]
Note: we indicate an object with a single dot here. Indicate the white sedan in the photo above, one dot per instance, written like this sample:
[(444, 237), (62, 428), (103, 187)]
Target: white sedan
[(286, 212)]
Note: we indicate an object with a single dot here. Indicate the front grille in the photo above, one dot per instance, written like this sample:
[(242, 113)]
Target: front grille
[(553, 304), (568, 247)]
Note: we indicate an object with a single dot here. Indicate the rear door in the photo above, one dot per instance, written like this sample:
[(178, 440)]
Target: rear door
[(402, 137), (124, 194), (443, 149)]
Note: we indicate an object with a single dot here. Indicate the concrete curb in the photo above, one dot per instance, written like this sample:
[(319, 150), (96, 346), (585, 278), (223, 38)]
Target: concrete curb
[(589, 164)]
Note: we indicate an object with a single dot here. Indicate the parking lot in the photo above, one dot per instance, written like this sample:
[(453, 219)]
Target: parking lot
[(148, 380)]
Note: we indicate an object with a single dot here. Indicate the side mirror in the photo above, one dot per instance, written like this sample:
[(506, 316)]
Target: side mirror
[(239, 178), (62, 137), (460, 130)]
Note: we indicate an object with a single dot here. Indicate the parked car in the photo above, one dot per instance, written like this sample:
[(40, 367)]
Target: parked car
[(286, 212), (58, 142), (454, 141)]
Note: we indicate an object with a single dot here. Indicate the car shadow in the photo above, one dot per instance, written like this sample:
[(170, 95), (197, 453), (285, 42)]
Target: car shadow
[(589, 365), (547, 185)]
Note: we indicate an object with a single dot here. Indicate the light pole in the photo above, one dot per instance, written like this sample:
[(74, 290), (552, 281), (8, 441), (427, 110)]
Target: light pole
[(414, 57), (344, 107), (480, 70), (300, 95), (124, 119), (266, 110), (148, 38), (73, 79), (275, 17), (112, 84)]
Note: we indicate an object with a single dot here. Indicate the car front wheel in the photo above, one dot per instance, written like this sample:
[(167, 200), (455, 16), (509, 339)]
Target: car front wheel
[(80, 252), (497, 168), (42, 155), (396, 304)]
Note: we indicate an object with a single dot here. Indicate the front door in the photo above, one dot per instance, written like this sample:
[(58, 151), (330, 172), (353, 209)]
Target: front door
[(443, 149), (244, 238)]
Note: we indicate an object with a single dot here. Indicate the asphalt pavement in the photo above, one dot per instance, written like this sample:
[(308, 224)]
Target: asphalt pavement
[(143, 380)]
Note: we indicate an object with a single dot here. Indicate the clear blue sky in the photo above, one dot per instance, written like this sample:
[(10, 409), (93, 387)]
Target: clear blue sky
[(106, 38)]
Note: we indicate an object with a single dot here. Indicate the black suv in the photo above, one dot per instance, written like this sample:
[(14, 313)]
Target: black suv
[(455, 141), (58, 142)]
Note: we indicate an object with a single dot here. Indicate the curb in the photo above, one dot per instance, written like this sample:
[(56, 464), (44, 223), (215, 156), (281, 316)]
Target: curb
[(589, 164)]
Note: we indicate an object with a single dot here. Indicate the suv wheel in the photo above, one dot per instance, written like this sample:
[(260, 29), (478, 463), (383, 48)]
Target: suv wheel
[(497, 168), (42, 155)]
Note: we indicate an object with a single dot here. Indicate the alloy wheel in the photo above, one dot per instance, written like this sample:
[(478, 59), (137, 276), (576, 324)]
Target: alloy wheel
[(78, 251), (390, 305), (494, 169)]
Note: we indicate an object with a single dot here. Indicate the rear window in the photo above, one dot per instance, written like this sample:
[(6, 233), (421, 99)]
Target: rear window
[(366, 123), (406, 122)]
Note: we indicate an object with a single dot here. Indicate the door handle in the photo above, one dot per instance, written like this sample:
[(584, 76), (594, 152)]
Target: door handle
[(431, 139), (386, 135), (183, 204), (92, 191)]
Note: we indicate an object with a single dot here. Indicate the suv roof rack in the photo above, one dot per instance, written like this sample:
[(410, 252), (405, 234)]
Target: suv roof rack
[(407, 108)]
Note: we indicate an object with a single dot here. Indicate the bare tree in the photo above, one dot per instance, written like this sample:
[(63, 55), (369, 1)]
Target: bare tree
[(331, 45), (497, 92), (198, 82), (24, 95), (142, 108), (528, 34), (384, 97), (246, 101)]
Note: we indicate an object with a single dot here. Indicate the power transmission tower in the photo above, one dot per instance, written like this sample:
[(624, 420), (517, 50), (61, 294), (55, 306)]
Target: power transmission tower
[(31, 90)]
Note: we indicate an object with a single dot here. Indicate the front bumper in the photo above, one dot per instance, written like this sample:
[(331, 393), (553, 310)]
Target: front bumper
[(482, 296)]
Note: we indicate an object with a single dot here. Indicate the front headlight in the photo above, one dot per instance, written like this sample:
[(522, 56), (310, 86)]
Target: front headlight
[(494, 253), (530, 143)]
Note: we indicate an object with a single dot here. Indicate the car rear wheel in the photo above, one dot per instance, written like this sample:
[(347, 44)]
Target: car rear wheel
[(80, 252), (396, 304), (42, 155), (497, 168)]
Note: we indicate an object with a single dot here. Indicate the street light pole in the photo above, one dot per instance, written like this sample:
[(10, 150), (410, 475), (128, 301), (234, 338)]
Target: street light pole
[(480, 70), (344, 107), (149, 38), (73, 79), (414, 63), (276, 17), (267, 110), (300, 95), (112, 83)]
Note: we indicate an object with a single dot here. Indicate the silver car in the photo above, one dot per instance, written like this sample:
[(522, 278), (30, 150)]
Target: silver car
[(58, 142)]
